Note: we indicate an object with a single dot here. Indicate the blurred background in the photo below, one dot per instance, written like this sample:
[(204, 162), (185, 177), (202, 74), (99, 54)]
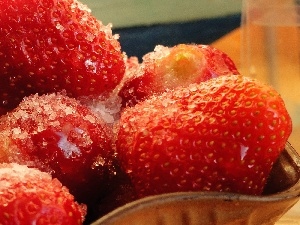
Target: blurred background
[(143, 24)]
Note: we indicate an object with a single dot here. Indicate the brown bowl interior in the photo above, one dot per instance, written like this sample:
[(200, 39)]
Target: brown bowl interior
[(204, 208), (285, 172)]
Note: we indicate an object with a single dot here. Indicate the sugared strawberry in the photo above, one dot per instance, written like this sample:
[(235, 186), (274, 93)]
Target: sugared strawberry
[(29, 196), (167, 68), (56, 134), (220, 135), (51, 45)]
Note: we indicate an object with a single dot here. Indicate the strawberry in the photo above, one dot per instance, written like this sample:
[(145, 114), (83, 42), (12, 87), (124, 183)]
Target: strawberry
[(50, 45), (220, 135), (29, 196), (167, 68), (58, 135)]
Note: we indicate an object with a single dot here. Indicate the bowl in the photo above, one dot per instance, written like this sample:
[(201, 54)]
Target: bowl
[(203, 208)]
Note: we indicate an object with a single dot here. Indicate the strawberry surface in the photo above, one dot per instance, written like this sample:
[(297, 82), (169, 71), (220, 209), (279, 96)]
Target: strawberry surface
[(220, 135), (60, 136), (51, 45), (29, 196), (169, 67)]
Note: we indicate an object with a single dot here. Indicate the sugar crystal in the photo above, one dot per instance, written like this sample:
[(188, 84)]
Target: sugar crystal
[(76, 4), (107, 109), (68, 148), (59, 27)]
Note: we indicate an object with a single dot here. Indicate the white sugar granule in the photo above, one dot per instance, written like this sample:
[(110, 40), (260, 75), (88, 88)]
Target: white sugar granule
[(89, 118), (17, 133), (67, 147), (107, 109)]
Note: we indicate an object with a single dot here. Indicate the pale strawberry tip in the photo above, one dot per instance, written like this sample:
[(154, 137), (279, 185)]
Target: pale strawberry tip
[(170, 67), (180, 67)]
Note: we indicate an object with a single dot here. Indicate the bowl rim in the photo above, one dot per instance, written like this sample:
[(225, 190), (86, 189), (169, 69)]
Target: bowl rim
[(290, 194)]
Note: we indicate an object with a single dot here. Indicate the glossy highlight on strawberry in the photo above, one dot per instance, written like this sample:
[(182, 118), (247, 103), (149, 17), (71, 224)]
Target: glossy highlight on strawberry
[(29, 196), (220, 135), (52, 45)]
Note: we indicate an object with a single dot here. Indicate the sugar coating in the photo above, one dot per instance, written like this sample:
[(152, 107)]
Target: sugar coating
[(84, 19), (36, 114), (132, 65), (37, 108), (77, 4), (21, 183), (159, 52), (13, 173), (46, 108), (108, 108), (67, 147)]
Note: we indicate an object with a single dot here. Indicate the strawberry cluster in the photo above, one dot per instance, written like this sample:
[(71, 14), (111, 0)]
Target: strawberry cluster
[(82, 122)]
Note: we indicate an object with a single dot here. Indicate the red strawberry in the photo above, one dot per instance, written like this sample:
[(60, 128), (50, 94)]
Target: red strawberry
[(220, 135), (58, 135), (29, 196), (51, 45), (167, 68)]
